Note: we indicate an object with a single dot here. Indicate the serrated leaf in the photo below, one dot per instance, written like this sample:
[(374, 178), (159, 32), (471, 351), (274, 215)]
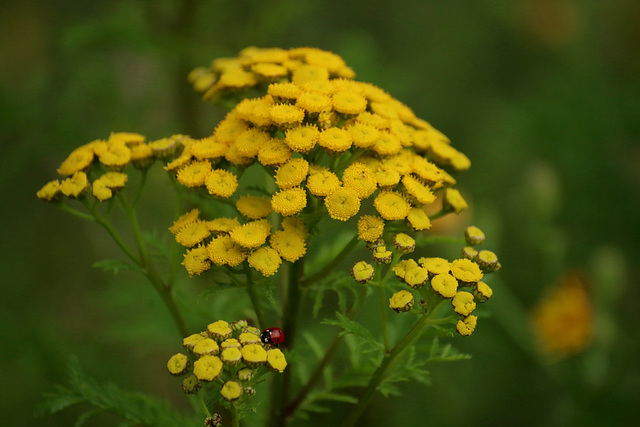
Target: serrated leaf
[(356, 329), (115, 265)]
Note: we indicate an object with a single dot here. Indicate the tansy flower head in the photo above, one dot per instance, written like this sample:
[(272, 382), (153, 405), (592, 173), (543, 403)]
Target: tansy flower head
[(418, 219), (250, 235), (342, 203), (466, 270), (362, 272), (322, 183), (274, 152), (269, 72), (219, 330), (231, 390), (191, 384), (360, 179), (349, 103), (230, 342), (206, 346), (417, 190), (248, 338), (482, 292), (286, 116), (50, 191), (474, 236), (382, 255), (78, 160), (194, 174), (276, 360), (466, 326), (231, 355), (250, 141), (196, 261), (184, 219), (207, 368), (208, 148), (306, 73), (116, 156), (224, 251), (289, 244), (469, 253), (463, 303), (289, 202), (75, 186), (401, 301), (193, 233), (294, 225), (363, 135), (404, 243), (445, 284), (453, 201), (178, 364), (486, 260), (416, 277), (221, 183), (283, 92), (223, 225), (387, 177), (370, 228), (313, 102), (254, 207), (265, 260), (292, 173), (302, 138), (391, 205), (254, 354), (189, 342), (335, 140), (100, 190), (435, 265), (401, 268)]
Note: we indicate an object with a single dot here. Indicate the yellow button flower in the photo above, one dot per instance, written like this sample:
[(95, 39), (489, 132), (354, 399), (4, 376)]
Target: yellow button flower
[(230, 343), (401, 301), (196, 261), (382, 255), (349, 103), (231, 355), (50, 191), (364, 136), (254, 354), (469, 253), (342, 204), (445, 284), (417, 190), (269, 71), (404, 243), (223, 225), (190, 384), (276, 360), (193, 233), (370, 228), (250, 235), (463, 303), (245, 374), (75, 186), (360, 179), (250, 141), (116, 157), (292, 173), (335, 139), (387, 144), (466, 270), (207, 368), (254, 207), (322, 183), (246, 338), (308, 72), (289, 202), (401, 268), (221, 183), (466, 326), (416, 277), (284, 91), (219, 330), (302, 138), (289, 244), (362, 271), (286, 116), (435, 265), (418, 219), (473, 236), (274, 152), (178, 364), (372, 119), (100, 191), (224, 251), (453, 201), (194, 174), (391, 205), (78, 160), (482, 292), (265, 260), (231, 390), (205, 347), (314, 102), (387, 177), (192, 340), (184, 219), (208, 148), (487, 260)]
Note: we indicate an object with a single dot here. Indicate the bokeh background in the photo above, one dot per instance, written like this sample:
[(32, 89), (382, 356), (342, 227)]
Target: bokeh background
[(542, 95)]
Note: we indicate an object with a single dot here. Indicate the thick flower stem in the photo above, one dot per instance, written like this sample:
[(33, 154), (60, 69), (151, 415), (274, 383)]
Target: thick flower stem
[(380, 373)]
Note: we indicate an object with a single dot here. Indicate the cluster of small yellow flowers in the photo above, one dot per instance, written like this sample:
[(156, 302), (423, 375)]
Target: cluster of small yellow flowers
[(98, 167), (326, 140), (228, 353), (459, 281), (563, 319)]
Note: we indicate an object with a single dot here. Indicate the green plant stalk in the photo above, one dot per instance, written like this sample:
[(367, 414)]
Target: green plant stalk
[(204, 405), (378, 376), (235, 415), (255, 298)]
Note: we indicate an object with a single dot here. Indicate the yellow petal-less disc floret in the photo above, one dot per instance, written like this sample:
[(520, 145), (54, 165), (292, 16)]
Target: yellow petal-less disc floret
[(250, 141), (79, 160), (184, 219), (178, 364), (486, 260), (196, 261), (221, 183), (116, 156), (206, 346), (302, 138), (463, 303), (193, 233), (207, 368), (224, 251), (276, 360), (322, 183), (401, 301), (435, 265), (289, 202), (314, 102), (100, 190), (286, 116), (349, 103), (417, 190), (404, 243), (254, 354), (335, 140), (363, 135), (370, 228), (223, 225), (482, 292), (418, 219), (50, 191), (231, 355), (466, 326), (219, 330), (254, 207), (274, 152), (285, 91), (466, 270), (362, 271), (292, 173), (473, 236), (402, 267), (265, 260), (416, 277), (342, 204), (453, 201), (189, 342), (360, 179), (231, 390), (290, 245), (391, 205), (250, 235), (75, 186), (445, 284), (248, 338), (194, 174)]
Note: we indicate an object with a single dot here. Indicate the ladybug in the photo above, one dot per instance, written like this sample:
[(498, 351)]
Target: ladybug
[(273, 336)]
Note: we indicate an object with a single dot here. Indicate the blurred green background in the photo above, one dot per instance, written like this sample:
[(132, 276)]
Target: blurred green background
[(542, 95)]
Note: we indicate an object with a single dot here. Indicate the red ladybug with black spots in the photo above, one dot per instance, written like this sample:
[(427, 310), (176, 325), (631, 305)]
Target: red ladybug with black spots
[(273, 336)]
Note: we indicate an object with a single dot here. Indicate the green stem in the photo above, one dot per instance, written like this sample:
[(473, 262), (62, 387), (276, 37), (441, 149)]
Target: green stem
[(383, 318), (204, 405), (235, 416), (379, 375), (255, 299)]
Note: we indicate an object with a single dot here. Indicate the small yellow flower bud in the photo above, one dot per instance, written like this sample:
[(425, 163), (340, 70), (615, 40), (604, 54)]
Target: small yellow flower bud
[(482, 292), (178, 364), (467, 325), (276, 359), (252, 330), (231, 356), (444, 284), (382, 255), (245, 374), (231, 390), (190, 384), (192, 340), (416, 277), (463, 303), (362, 272), (474, 236), (207, 368), (468, 252), (404, 243), (219, 330), (487, 260), (238, 325), (206, 346), (254, 354), (401, 301)]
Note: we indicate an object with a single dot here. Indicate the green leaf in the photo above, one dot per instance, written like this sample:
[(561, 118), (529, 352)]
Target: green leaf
[(356, 329), (115, 265)]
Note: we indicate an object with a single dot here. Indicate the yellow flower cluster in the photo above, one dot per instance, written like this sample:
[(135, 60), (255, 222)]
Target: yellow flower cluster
[(459, 281), (230, 353), (326, 140), (109, 158)]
